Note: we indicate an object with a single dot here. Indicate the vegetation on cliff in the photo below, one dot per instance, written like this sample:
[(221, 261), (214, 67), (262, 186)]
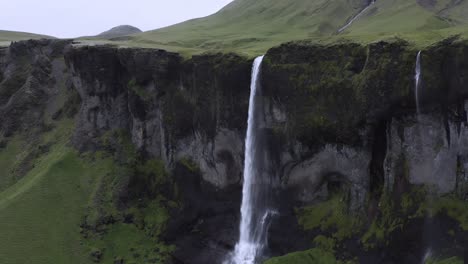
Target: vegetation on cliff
[(73, 192)]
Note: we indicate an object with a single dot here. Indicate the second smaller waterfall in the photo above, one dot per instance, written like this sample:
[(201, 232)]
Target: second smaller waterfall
[(356, 17), (417, 80)]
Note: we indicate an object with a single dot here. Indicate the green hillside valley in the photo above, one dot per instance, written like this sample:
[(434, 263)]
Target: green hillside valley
[(269, 132)]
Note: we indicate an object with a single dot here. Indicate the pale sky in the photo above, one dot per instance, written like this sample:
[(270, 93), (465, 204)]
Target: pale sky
[(68, 18)]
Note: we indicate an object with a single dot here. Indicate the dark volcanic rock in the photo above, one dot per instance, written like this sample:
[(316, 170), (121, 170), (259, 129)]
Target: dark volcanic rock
[(335, 97), (32, 72), (171, 108), (205, 230), (174, 110)]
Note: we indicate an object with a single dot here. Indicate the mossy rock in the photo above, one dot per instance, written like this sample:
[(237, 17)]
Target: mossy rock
[(330, 217)]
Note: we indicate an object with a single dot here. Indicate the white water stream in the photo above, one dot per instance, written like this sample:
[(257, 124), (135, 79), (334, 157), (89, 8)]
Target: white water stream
[(417, 80), (356, 17)]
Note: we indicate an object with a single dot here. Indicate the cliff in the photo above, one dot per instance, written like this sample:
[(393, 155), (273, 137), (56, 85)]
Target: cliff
[(354, 165)]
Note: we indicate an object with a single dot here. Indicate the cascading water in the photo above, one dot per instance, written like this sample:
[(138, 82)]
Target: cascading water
[(427, 256), (255, 211), (356, 16), (417, 79), (426, 236)]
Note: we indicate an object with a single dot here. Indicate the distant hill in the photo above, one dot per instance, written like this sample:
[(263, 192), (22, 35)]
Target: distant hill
[(119, 31), (255, 25), (7, 36)]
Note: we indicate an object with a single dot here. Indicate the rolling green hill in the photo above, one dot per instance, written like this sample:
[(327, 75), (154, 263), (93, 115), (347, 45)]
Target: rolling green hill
[(7, 36), (255, 25)]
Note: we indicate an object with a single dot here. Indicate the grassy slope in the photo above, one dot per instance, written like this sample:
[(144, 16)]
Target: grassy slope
[(8, 161), (40, 214), (252, 27), (7, 36), (408, 20), (315, 256)]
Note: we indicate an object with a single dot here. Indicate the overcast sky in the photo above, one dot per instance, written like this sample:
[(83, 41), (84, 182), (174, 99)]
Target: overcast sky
[(65, 18)]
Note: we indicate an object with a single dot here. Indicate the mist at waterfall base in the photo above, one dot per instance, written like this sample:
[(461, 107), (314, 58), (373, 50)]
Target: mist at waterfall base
[(256, 207)]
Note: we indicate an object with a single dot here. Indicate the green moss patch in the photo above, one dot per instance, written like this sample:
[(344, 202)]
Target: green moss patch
[(394, 214), (330, 216), (138, 90), (452, 260), (312, 256), (453, 207), (128, 243)]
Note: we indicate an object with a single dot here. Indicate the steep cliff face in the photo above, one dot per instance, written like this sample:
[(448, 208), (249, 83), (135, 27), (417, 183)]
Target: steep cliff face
[(188, 113), (32, 73), (172, 108), (349, 153), (34, 89), (194, 109), (333, 100), (345, 118), (325, 96)]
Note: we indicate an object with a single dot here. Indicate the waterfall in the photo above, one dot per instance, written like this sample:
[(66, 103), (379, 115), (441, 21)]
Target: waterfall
[(426, 236), (417, 79), (255, 212), (356, 16), (427, 256)]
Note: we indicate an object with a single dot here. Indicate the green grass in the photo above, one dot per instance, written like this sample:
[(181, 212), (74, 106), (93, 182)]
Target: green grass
[(251, 27), (312, 256), (8, 161), (127, 242), (8, 36), (40, 215), (248, 26), (452, 260)]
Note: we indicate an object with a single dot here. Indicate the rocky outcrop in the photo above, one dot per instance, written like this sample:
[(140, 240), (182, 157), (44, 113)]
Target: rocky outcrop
[(32, 76), (428, 150), (333, 166)]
